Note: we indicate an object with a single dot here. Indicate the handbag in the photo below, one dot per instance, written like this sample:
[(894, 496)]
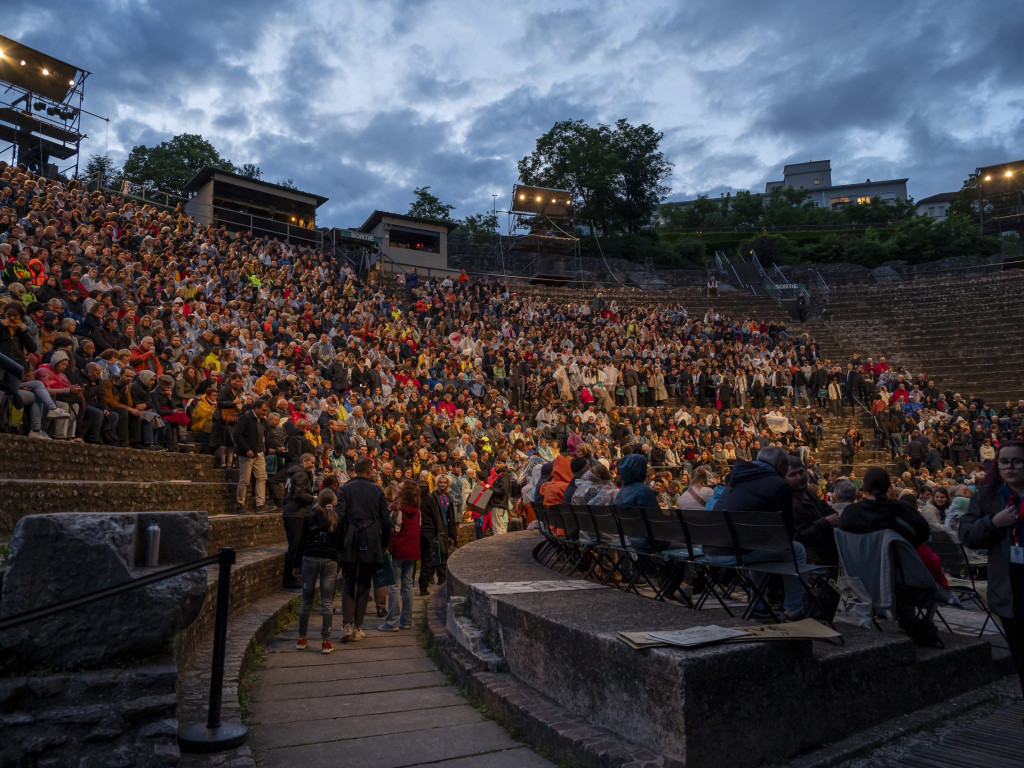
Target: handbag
[(479, 498), (822, 393), (385, 577), (642, 389), (229, 415), (620, 391)]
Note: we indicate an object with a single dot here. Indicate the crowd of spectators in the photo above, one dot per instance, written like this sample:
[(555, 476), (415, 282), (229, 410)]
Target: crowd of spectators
[(136, 326)]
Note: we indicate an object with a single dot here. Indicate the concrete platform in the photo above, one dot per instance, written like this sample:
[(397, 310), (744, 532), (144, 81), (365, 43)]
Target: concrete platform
[(733, 705)]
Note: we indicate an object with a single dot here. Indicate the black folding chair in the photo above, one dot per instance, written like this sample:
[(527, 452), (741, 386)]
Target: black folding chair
[(639, 547), (610, 547), (670, 544), (957, 564), (767, 531), (711, 528), (566, 548), (550, 547), (572, 527)]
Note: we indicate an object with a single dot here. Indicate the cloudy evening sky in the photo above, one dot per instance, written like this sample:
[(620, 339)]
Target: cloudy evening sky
[(363, 101)]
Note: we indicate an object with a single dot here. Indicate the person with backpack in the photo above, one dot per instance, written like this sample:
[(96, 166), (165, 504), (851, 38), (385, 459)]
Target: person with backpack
[(298, 496), (405, 550), (317, 550), (366, 532)]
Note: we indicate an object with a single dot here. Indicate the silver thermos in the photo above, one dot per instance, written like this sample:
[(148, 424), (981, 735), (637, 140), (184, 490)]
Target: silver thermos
[(152, 544)]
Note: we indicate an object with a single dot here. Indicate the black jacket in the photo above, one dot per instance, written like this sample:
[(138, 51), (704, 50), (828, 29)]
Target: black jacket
[(298, 491), (755, 486), (813, 530), (432, 523), (250, 434), (869, 515), (365, 521), (316, 539)]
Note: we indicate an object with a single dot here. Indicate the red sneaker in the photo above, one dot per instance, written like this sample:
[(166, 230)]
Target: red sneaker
[(327, 647), (300, 645)]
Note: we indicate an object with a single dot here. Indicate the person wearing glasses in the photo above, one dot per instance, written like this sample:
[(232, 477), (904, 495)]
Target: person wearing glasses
[(995, 521)]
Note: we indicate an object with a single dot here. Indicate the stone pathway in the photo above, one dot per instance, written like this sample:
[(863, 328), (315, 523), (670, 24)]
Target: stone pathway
[(378, 703)]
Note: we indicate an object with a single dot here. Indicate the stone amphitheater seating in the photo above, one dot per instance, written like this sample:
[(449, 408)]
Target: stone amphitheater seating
[(961, 332)]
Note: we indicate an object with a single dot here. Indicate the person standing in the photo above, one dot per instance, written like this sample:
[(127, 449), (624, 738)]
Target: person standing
[(995, 521), (298, 496), (366, 530), (318, 553), (405, 548), (440, 525), (250, 443)]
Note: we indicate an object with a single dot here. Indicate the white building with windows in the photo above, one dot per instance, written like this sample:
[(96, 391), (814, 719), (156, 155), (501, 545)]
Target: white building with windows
[(816, 178), (936, 206)]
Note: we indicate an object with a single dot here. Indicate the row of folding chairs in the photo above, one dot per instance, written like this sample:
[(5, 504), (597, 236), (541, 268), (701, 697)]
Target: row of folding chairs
[(647, 550)]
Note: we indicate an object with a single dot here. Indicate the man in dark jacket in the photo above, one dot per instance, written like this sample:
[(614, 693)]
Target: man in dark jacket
[(814, 520), (760, 485), (366, 530), (298, 496), (437, 522), (251, 446)]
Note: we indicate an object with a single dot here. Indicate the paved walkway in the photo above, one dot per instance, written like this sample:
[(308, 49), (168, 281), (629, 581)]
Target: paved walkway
[(378, 703)]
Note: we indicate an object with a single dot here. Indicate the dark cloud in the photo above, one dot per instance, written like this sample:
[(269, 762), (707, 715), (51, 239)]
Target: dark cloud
[(363, 102)]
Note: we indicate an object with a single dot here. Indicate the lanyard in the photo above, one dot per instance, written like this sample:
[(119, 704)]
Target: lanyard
[(1019, 503)]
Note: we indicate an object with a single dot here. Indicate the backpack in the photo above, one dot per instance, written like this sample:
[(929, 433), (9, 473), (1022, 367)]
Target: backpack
[(719, 490)]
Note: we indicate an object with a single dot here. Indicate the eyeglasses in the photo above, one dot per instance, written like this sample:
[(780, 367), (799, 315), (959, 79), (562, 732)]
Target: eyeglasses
[(1016, 463)]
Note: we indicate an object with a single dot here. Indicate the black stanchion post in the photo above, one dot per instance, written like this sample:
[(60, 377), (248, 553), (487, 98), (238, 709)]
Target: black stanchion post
[(216, 736)]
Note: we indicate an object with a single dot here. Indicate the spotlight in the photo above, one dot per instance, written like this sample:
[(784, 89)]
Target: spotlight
[(71, 83), (988, 178), (1009, 174), (23, 62), (46, 71), (39, 105), (52, 111)]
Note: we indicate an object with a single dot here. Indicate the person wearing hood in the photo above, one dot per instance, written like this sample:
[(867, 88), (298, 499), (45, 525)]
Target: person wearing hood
[(553, 491), (578, 466), (635, 492), (761, 485), (298, 496)]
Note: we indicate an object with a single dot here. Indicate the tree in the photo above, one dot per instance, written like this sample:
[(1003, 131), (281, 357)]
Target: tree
[(427, 206), (616, 176), (287, 183), (171, 164), (250, 171), (101, 170), (480, 227)]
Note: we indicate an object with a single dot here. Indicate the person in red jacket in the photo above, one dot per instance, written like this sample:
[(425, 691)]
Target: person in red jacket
[(405, 551)]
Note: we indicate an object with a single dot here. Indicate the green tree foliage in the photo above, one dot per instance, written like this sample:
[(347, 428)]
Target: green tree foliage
[(101, 169), (480, 227), (428, 206), (171, 164), (615, 175), (250, 171)]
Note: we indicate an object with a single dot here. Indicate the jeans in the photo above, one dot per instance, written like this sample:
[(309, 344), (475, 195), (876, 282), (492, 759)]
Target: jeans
[(794, 599), (801, 395), (41, 405), (325, 571), (355, 593), (91, 424), (400, 594)]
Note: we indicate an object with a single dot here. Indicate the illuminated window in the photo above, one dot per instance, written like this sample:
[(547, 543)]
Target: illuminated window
[(863, 200), (817, 182)]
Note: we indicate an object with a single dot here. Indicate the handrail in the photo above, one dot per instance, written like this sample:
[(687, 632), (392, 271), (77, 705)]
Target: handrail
[(117, 589), (215, 735)]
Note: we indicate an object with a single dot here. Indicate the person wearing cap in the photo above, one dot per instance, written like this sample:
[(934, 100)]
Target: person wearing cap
[(168, 406)]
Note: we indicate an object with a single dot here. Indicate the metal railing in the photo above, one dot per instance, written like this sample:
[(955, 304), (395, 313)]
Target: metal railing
[(215, 735)]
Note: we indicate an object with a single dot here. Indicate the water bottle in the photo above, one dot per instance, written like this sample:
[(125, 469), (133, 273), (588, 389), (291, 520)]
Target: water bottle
[(152, 544)]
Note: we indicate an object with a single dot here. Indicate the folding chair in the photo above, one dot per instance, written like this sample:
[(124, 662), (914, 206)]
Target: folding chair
[(767, 531), (670, 544), (710, 528), (566, 547), (639, 546), (571, 525), (957, 564), (610, 547), (550, 547)]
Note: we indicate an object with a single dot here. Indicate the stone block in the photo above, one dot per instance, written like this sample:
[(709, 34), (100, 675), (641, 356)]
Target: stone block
[(58, 557)]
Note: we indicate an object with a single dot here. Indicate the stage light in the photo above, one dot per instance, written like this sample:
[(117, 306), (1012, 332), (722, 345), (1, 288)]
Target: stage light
[(46, 71), (1009, 174), (23, 62), (522, 197), (71, 83), (52, 111), (40, 105), (988, 178), (538, 198)]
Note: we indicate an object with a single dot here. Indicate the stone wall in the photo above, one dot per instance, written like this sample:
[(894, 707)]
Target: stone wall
[(102, 719), (245, 532)]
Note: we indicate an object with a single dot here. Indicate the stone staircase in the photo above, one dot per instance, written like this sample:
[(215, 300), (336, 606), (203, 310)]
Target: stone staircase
[(960, 332), (828, 455)]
